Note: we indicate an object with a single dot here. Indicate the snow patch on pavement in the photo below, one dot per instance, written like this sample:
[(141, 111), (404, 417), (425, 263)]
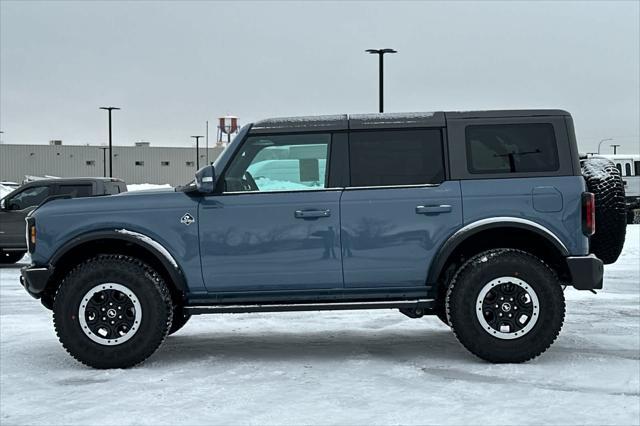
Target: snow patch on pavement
[(146, 186), (4, 190), (359, 367)]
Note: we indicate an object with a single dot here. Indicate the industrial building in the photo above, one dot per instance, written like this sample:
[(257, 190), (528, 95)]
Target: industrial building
[(139, 163)]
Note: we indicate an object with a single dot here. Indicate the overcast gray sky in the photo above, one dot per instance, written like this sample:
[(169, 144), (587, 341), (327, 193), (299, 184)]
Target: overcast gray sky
[(172, 65)]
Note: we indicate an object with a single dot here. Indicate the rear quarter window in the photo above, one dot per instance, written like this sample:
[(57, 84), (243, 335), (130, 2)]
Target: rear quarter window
[(511, 148), (111, 188), (76, 190)]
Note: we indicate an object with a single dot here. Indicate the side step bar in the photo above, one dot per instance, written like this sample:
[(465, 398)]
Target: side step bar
[(291, 307)]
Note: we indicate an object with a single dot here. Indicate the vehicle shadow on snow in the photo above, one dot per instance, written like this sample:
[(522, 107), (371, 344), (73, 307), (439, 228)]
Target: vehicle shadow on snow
[(318, 345)]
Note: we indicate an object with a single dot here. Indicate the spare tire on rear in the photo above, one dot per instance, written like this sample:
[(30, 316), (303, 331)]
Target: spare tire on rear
[(605, 182)]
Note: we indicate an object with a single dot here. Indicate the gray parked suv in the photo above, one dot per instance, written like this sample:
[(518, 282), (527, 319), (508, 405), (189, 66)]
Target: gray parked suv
[(15, 207), (480, 218)]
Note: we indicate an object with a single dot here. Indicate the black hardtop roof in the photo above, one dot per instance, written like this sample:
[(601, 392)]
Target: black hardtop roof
[(386, 120)]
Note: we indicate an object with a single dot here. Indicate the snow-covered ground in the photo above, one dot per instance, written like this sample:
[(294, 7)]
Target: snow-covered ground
[(362, 367)]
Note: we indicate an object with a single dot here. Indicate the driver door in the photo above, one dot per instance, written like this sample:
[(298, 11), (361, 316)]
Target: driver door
[(276, 223)]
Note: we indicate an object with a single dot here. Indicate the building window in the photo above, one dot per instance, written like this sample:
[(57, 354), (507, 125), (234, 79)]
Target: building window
[(164, 163), (139, 163), (190, 163), (91, 163)]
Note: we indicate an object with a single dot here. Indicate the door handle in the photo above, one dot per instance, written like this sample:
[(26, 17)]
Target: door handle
[(442, 208), (312, 214)]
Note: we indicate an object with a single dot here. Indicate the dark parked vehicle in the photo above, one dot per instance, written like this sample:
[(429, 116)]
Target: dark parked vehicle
[(16, 205), (479, 218)]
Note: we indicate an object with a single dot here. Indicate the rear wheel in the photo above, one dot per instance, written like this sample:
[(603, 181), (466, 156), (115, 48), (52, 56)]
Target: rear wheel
[(112, 311), (505, 305), (9, 257)]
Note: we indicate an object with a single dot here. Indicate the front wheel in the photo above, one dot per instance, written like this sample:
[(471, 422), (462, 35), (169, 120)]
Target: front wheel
[(112, 311), (180, 318), (505, 305)]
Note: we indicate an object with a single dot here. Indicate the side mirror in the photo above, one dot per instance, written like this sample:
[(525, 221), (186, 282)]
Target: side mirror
[(206, 179)]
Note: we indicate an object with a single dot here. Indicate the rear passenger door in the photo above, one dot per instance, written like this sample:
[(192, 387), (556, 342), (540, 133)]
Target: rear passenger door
[(398, 208)]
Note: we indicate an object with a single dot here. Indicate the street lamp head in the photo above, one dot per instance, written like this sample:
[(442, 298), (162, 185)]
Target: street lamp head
[(109, 108), (197, 136), (381, 51)]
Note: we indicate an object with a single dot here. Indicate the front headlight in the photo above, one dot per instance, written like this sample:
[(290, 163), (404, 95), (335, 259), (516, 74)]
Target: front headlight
[(31, 233)]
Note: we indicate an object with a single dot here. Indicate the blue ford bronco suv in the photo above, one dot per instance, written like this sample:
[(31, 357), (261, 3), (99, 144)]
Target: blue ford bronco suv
[(480, 218)]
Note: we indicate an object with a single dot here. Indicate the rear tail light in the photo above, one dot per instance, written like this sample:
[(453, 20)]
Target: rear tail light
[(588, 214)]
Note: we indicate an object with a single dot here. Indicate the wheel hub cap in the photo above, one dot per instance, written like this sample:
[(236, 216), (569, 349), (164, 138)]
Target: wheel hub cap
[(110, 314), (507, 308)]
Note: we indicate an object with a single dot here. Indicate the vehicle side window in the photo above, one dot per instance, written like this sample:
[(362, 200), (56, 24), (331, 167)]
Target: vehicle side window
[(280, 163), (636, 165), (30, 197), (396, 157), (619, 167), (85, 190), (111, 188), (511, 148)]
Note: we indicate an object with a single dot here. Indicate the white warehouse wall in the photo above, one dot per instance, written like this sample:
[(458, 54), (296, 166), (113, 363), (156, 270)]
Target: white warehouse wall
[(16, 161)]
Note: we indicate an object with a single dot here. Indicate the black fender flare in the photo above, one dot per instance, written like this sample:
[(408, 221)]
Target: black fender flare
[(155, 248), (449, 246)]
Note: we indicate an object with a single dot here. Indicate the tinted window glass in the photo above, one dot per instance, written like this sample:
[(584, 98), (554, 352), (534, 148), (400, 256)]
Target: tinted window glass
[(627, 169), (636, 165), (280, 163), (396, 157), (112, 187), (511, 148), (28, 198), (75, 190)]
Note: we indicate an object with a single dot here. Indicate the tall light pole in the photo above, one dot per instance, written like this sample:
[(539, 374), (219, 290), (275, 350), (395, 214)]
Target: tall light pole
[(206, 142), (197, 138), (380, 53), (109, 109), (603, 140), (104, 160), (615, 148)]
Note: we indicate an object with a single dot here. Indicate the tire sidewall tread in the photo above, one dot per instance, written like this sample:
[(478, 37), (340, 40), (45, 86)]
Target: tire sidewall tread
[(155, 301), (476, 272)]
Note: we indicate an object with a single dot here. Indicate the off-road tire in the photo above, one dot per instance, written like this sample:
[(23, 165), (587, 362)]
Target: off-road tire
[(605, 182), (180, 318), (466, 285), (155, 302), (441, 312), (9, 257)]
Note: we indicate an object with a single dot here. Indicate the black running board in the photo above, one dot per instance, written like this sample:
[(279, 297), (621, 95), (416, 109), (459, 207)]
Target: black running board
[(292, 307)]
